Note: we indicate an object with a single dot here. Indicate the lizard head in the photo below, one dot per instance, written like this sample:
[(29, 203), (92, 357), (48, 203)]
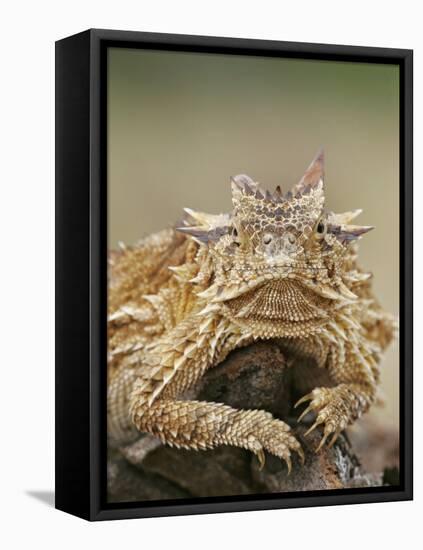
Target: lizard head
[(275, 244)]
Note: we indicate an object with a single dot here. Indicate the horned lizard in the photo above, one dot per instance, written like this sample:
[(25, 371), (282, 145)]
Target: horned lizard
[(279, 266)]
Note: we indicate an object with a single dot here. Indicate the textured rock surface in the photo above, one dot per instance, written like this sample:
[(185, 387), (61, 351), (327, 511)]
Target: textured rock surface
[(255, 377)]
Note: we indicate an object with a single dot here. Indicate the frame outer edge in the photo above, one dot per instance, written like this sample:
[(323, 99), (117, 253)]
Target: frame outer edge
[(92, 458), (72, 320)]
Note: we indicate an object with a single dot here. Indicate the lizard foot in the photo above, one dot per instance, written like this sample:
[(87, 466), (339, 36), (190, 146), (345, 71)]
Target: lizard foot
[(276, 438), (334, 408)]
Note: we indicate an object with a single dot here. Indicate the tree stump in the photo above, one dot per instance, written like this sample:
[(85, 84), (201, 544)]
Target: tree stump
[(258, 376)]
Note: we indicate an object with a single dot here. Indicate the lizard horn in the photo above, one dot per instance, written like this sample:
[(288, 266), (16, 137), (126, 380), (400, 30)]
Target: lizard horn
[(203, 235), (347, 233), (312, 176), (243, 183), (277, 195)]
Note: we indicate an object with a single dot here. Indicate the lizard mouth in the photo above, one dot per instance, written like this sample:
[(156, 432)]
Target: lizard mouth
[(282, 300), (270, 291)]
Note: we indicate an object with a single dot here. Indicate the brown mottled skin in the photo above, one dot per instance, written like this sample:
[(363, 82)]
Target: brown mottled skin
[(278, 266)]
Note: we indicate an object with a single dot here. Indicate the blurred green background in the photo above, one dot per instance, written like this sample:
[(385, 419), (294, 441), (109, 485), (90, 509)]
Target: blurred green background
[(180, 124)]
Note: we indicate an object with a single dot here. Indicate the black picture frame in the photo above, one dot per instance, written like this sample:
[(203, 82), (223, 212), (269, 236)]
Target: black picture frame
[(81, 278)]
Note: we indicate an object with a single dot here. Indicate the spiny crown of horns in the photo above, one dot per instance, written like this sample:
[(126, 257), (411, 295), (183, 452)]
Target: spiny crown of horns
[(256, 210)]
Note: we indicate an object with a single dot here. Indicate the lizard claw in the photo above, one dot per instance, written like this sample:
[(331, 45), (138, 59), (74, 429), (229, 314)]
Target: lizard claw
[(323, 440), (303, 400), (288, 463), (314, 426), (276, 438), (332, 408), (261, 458), (334, 438), (300, 452), (305, 411), (329, 429)]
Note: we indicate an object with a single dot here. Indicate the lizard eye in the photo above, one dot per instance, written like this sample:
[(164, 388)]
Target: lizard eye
[(267, 239), (235, 237), (321, 229)]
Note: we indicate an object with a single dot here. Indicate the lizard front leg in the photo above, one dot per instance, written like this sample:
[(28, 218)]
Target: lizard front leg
[(173, 366), (203, 425), (353, 367)]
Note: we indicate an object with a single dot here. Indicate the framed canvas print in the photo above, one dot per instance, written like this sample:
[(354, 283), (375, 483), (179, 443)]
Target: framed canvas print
[(234, 274)]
